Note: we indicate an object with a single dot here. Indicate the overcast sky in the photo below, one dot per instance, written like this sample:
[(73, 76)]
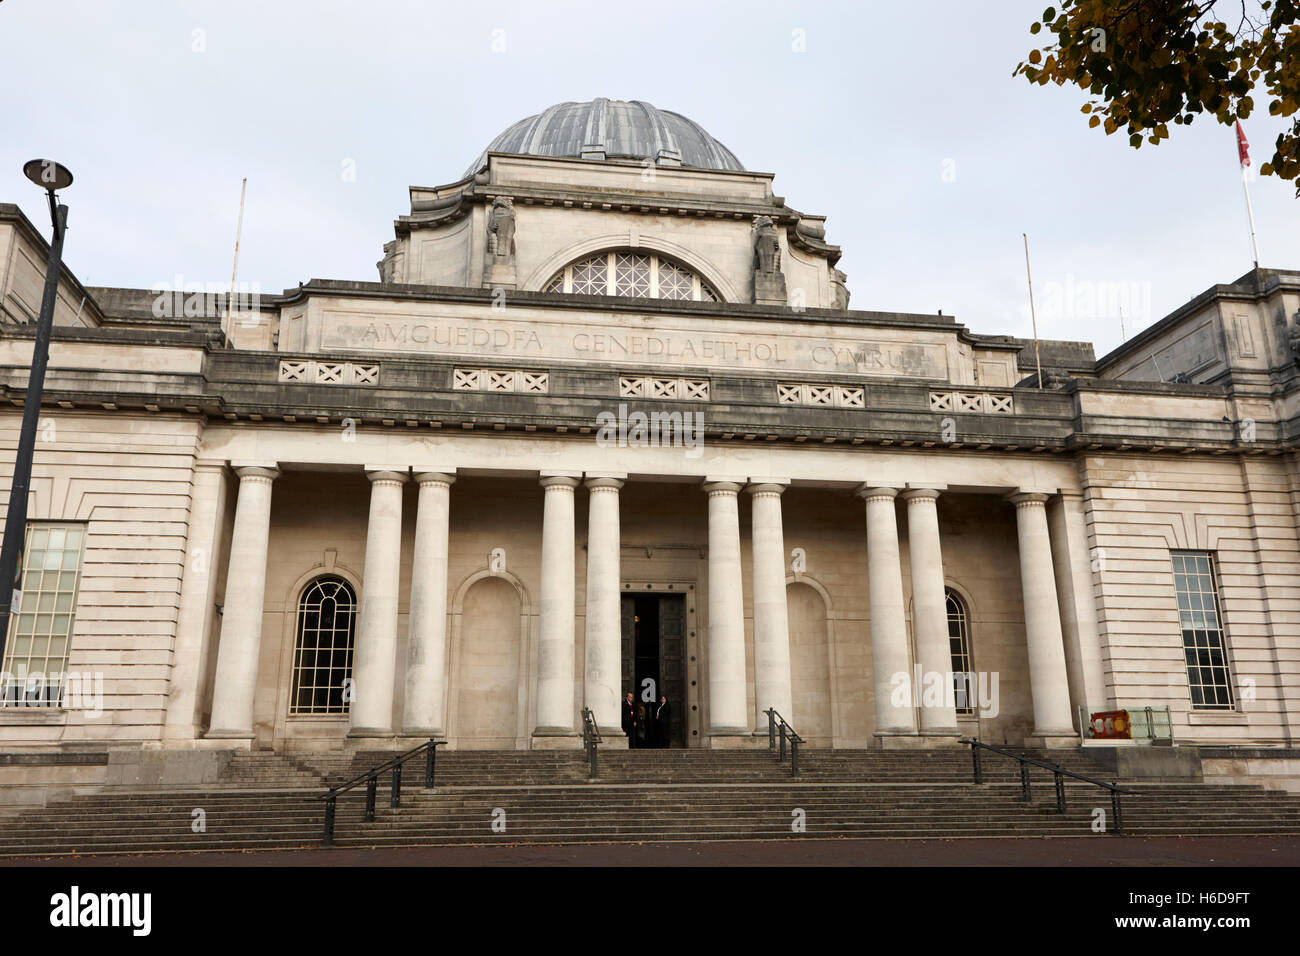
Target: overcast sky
[(900, 122)]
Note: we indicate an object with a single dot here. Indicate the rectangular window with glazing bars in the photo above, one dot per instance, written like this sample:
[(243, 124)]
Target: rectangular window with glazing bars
[(1205, 645), (40, 625)]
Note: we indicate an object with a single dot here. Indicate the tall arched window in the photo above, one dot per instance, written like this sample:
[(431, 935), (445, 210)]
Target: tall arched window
[(322, 660), (635, 274), (963, 678)]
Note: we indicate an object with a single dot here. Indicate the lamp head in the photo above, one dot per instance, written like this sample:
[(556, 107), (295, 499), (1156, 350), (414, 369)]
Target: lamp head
[(47, 174)]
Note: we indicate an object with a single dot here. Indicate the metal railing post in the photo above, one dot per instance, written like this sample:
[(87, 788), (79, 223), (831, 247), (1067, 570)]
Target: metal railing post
[(1117, 812), (794, 756), (771, 728), (781, 757), (1024, 781), (429, 758), (395, 798), (327, 838), (372, 783), (975, 756), (1060, 792)]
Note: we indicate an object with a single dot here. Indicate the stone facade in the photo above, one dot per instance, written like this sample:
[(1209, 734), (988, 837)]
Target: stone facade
[(439, 441)]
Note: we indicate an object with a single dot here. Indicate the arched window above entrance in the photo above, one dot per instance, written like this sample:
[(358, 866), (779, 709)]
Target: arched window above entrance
[(322, 656), (639, 275)]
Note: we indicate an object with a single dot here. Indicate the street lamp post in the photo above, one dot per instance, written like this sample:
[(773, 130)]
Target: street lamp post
[(50, 176)]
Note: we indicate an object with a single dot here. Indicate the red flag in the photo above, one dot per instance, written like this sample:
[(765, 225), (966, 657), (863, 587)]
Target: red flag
[(1243, 147)]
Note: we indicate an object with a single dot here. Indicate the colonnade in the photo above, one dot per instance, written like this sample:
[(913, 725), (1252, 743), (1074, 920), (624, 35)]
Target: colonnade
[(899, 722)]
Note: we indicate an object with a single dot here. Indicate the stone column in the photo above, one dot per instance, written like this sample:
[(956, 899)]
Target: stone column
[(1048, 683), (728, 697), (930, 614), (241, 621), (555, 645), (374, 666), (194, 617), (889, 653), (424, 707), (771, 621), (604, 621), (1072, 559)]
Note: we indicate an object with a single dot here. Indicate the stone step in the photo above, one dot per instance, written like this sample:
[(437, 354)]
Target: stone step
[(272, 801)]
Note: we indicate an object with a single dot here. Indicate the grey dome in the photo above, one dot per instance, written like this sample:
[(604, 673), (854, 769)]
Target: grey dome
[(612, 129)]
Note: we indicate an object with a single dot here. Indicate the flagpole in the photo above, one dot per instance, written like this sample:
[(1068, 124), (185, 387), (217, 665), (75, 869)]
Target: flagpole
[(239, 228), (1243, 157), (1250, 214), (1032, 317)]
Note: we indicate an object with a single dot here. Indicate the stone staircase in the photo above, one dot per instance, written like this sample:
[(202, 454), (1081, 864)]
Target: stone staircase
[(269, 801)]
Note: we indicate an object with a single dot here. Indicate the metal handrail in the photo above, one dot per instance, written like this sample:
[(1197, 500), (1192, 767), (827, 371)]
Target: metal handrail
[(590, 738), (777, 724), (1058, 772), (371, 779)]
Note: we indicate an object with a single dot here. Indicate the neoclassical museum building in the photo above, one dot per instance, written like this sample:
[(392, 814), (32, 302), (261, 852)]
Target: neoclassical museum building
[(604, 422)]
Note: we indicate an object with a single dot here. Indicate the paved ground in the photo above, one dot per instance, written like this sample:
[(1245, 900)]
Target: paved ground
[(1099, 851)]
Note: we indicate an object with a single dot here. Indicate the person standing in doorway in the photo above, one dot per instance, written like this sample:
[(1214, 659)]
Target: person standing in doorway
[(663, 722), (629, 721)]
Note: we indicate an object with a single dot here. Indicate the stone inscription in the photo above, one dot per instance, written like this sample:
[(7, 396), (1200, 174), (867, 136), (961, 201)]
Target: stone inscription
[(777, 351)]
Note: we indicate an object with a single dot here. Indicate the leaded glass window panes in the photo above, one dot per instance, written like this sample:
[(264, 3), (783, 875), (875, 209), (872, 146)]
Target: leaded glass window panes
[(963, 678), (40, 627), (632, 274), (675, 282), (322, 661), (589, 276), (1205, 649)]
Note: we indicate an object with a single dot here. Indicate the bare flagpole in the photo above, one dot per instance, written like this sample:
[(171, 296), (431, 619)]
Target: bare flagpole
[(1034, 318), (239, 228)]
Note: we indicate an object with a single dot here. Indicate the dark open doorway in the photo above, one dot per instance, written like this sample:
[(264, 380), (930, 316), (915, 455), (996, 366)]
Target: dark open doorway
[(654, 662)]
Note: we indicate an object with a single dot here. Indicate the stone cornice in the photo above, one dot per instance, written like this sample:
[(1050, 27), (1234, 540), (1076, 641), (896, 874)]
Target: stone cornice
[(557, 300), (415, 393)]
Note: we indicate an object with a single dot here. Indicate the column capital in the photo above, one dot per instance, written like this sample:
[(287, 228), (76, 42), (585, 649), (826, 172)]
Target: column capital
[(269, 472), (1027, 499), (435, 478), (559, 481), (766, 487), (868, 490), (384, 475), (921, 494), (721, 487), (603, 483)]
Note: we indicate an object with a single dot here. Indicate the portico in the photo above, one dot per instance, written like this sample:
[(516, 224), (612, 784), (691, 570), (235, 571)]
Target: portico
[(571, 652)]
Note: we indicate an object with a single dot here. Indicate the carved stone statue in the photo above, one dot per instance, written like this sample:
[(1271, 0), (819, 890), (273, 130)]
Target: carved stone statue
[(767, 247), (838, 289), (501, 229), (392, 266), (1293, 338), (769, 280)]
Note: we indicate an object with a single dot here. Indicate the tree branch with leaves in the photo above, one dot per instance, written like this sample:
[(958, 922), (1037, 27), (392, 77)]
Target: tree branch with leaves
[(1148, 63)]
